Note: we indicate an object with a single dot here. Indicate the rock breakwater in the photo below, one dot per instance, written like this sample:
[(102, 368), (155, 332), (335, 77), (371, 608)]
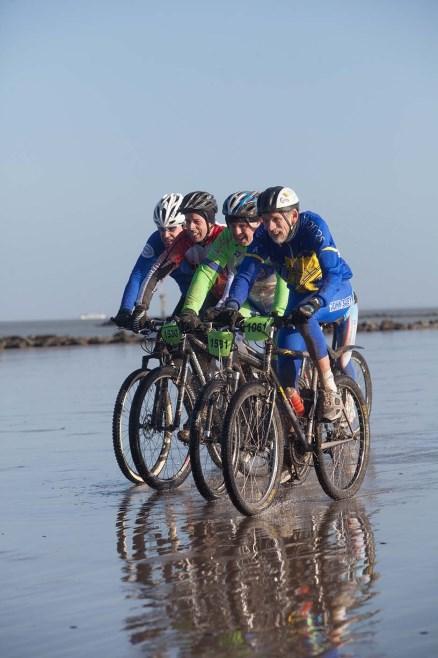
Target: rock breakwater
[(120, 337), (51, 340)]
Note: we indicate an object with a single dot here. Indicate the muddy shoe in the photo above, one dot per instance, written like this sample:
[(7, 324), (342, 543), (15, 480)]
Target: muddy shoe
[(329, 405)]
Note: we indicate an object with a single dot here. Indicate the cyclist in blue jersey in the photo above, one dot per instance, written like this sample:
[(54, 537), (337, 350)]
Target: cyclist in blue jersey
[(184, 255), (304, 253), (170, 223)]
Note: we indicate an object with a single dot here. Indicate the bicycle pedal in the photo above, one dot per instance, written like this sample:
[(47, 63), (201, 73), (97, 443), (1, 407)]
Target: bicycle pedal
[(184, 436), (286, 476)]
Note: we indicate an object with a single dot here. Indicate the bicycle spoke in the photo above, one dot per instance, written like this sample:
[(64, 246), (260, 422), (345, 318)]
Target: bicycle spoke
[(342, 446), (253, 445), (160, 449)]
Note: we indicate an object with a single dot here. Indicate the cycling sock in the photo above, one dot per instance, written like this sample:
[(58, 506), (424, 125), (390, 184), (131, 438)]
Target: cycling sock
[(328, 381)]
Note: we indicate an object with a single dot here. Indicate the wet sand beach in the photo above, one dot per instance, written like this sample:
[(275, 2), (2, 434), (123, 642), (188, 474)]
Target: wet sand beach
[(92, 565)]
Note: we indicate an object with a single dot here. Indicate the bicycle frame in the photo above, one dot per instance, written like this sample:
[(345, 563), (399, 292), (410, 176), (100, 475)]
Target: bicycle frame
[(305, 439), (189, 359)]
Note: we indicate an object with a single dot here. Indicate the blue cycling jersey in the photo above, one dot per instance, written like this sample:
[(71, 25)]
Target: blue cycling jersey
[(153, 248), (310, 263)]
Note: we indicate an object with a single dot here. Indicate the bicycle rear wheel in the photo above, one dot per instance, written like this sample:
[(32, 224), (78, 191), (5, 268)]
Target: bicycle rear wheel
[(362, 377), (120, 425), (341, 449), (160, 449), (205, 439), (252, 449)]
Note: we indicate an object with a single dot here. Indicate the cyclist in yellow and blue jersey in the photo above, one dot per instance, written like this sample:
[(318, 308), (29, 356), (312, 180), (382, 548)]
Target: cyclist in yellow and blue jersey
[(301, 247)]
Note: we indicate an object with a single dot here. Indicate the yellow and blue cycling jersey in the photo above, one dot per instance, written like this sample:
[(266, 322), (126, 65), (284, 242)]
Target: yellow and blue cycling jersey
[(310, 262), (311, 265)]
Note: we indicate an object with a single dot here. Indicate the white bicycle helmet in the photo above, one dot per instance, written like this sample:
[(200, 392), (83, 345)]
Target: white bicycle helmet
[(167, 211), (278, 199)]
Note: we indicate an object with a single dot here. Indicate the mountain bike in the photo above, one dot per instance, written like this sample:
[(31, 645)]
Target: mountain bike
[(154, 348), (236, 362), (212, 404), (162, 407), (260, 421)]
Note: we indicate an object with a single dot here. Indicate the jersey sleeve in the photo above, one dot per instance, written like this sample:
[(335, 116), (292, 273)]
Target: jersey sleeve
[(281, 297), (142, 267), (166, 263), (207, 273), (333, 267), (257, 252)]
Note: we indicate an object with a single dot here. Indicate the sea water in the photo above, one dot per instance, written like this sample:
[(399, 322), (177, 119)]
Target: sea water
[(92, 565)]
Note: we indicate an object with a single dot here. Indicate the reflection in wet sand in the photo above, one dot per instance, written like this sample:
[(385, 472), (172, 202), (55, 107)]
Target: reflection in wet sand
[(248, 587)]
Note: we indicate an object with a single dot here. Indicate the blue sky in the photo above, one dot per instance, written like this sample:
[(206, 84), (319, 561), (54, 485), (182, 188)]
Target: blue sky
[(107, 105)]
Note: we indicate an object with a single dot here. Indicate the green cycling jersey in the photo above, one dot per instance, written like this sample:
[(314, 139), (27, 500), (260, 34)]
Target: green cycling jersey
[(268, 294)]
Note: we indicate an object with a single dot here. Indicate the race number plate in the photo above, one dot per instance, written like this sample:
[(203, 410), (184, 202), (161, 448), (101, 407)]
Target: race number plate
[(170, 333), (220, 343), (257, 328)]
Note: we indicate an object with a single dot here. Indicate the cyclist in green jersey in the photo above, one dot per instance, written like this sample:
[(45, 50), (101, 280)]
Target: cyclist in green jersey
[(269, 293)]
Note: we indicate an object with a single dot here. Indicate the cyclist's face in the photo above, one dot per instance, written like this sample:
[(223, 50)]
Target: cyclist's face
[(243, 232), (168, 235), (278, 224), (196, 226)]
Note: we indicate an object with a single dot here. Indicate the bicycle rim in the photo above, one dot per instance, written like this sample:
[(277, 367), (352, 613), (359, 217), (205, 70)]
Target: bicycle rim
[(342, 447), (160, 450), (252, 449), (362, 377), (205, 439), (120, 425)]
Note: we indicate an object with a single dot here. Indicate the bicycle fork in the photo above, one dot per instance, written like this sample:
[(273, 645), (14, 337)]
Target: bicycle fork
[(182, 382), (159, 411)]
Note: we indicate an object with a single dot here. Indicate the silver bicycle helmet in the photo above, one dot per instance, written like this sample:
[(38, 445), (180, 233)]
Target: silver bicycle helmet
[(240, 206), (167, 211)]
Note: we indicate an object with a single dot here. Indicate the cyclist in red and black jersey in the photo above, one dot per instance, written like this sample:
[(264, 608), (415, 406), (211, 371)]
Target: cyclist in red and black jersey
[(185, 253)]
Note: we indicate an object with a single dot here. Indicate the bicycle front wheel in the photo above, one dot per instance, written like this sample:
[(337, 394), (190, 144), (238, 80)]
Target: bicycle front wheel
[(252, 449), (341, 450), (120, 426), (159, 439), (205, 439)]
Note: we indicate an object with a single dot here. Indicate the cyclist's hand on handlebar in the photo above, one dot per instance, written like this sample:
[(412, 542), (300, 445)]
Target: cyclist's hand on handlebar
[(140, 318), (210, 314), (307, 309), (123, 318), (224, 315), (299, 315), (188, 320), (278, 320)]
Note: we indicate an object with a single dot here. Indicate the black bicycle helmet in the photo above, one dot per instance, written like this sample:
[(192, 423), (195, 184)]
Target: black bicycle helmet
[(277, 199), (240, 206), (202, 203)]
